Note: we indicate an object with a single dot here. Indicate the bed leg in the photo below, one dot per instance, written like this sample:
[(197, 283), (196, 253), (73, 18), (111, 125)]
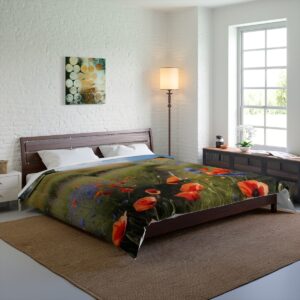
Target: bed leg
[(274, 207)]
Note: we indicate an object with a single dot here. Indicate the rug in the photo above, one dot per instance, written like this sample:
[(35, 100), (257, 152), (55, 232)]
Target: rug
[(196, 263)]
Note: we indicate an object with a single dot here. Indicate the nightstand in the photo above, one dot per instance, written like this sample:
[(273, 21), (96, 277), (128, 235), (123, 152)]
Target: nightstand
[(10, 186)]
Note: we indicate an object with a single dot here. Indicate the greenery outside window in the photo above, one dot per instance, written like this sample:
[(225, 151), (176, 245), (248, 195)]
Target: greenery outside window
[(262, 91)]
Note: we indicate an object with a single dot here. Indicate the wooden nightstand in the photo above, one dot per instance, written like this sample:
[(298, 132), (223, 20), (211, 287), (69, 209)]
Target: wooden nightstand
[(10, 186)]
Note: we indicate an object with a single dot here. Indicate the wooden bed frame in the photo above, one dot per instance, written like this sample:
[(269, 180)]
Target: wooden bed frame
[(31, 163)]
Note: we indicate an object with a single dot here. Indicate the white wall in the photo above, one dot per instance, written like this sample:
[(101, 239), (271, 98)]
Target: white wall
[(205, 83), (248, 13), (189, 48), (35, 37), (182, 53)]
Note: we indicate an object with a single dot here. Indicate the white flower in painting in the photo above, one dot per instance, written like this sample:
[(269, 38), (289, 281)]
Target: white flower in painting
[(69, 68), (69, 98), (73, 60), (69, 83)]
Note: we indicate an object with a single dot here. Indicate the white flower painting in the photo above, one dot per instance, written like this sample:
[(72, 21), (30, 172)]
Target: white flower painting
[(85, 80)]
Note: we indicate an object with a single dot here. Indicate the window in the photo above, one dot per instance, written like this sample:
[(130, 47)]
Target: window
[(263, 82)]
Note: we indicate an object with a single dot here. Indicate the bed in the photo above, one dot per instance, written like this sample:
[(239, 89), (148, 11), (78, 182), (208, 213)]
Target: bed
[(31, 163)]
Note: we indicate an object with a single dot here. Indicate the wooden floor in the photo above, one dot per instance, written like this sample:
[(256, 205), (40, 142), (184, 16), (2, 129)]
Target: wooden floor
[(42, 284)]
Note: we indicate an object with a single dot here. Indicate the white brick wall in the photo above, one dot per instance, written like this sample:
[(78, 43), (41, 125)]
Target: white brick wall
[(190, 47), (35, 37)]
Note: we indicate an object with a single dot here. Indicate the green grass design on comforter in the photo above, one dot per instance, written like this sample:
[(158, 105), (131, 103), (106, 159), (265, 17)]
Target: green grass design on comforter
[(118, 201)]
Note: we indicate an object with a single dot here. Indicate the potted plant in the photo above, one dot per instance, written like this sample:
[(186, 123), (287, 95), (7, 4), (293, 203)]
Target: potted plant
[(245, 145)]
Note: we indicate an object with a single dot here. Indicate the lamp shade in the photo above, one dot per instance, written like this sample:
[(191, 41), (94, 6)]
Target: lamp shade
[(169, 78)]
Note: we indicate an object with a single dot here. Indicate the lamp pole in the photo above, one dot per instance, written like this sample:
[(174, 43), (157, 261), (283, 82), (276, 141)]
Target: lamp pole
[(169, 93), (169, 81)]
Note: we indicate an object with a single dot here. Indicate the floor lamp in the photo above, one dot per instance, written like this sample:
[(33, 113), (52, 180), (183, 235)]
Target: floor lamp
[(169, 80)]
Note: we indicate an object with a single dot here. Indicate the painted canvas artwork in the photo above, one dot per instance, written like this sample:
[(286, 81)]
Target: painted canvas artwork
[(85, 80)]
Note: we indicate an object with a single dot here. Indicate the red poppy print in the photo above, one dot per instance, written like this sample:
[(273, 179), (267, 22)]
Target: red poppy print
[(152, 191), (114, 185), (189, 196), (126, 189), (191, 187), (103, 193), (253, 188), (218, 171), (173, 180), (119, 230), (204, 169), (144, 204), (99, 193), (74, 203), (107, 193)]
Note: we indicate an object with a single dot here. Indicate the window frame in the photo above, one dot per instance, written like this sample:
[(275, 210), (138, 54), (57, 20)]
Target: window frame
[(240, 75)]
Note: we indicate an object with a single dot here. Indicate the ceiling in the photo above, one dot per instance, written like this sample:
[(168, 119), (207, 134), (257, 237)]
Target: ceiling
[(167, 4)]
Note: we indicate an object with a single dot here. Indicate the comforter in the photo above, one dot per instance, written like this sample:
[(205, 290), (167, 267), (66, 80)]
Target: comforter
[(117, 199)]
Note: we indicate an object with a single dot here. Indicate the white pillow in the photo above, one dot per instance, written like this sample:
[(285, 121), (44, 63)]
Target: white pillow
[(64, 157), (122, 150)]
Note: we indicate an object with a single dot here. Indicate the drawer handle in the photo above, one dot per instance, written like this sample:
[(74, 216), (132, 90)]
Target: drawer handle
[(1, 196)]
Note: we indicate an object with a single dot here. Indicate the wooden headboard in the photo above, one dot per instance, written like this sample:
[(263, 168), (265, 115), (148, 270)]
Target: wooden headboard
[(31, 162)]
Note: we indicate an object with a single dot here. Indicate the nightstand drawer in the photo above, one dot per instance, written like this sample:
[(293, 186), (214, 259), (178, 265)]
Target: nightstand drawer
[(8, 195), (9, 182)]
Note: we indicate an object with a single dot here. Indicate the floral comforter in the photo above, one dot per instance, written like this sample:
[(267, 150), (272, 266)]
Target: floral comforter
[(118, 200)]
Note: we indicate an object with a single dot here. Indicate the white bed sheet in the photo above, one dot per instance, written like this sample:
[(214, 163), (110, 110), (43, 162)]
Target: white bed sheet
[(30, 178), (33, 176)]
